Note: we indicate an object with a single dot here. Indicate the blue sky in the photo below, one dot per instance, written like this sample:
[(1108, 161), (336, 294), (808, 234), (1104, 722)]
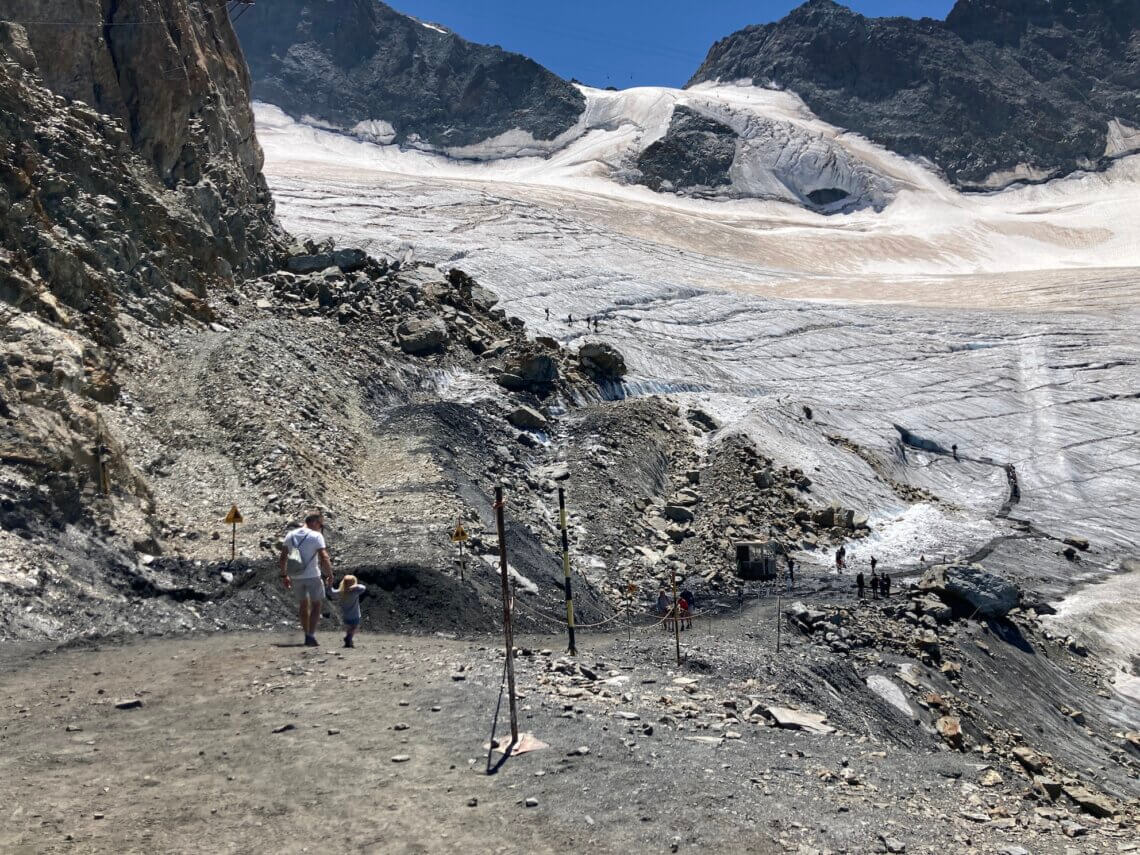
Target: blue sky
[(624, 42)]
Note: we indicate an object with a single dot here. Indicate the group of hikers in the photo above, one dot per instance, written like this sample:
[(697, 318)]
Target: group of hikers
[(880, 583), (678, 613), (306, 569), (589, 320)]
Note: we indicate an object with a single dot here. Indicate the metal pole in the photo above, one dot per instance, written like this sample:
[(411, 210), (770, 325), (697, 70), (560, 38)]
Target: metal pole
[(462, 562), (100, 463), (566, 571), (676, 614), (233, 543), (779, 597), (508, 634)]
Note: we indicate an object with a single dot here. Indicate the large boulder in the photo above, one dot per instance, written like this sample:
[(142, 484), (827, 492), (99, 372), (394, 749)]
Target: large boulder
[(529, 370), (421, 335), (602, 360), (678, 513), (346, 260), (971, 588), (527, 418)]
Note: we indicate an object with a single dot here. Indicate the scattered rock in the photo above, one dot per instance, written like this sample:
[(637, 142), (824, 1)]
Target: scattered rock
[(990, 778), (401, 758), (421, 335), (129, 704), (1070, 828), (1029, 758), (678, 513), (284, 727), (798, 720), (1047, 787), (950, 729), (527, 418), (1091, 803)]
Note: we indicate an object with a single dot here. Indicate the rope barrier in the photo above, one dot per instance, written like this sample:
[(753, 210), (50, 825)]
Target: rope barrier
[(560, 622)]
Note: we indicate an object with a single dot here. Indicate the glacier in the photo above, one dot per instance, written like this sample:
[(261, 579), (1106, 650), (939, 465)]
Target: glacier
[(1002, 322)]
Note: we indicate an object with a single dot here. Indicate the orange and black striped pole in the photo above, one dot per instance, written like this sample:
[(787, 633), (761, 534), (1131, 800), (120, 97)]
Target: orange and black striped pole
[(566, 570)]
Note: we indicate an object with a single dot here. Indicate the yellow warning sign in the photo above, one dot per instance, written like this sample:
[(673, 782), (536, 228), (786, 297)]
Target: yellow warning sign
[(233, 517), (631, 589), (459, 535)]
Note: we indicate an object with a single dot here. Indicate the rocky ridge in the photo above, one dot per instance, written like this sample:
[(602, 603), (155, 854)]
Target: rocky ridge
[(362, 67), (1000, 90)]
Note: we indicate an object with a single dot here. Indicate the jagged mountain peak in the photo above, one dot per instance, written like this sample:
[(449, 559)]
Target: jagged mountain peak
[(352, 63), (1002, 89)]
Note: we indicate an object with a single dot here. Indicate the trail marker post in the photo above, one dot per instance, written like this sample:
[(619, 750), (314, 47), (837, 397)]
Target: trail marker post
[(676, 614), (233, 518), (460, 536), (508, 633), (573, 651)]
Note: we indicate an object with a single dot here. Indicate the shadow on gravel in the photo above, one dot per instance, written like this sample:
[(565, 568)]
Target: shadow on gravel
[(415, 597), (1011, 635)]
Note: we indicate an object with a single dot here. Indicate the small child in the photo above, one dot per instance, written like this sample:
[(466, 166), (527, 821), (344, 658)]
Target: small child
[(348, 595)]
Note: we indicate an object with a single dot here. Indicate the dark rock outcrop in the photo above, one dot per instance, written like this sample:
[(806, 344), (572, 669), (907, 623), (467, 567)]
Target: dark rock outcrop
[(695, 151), (998, 84), (350, 61)]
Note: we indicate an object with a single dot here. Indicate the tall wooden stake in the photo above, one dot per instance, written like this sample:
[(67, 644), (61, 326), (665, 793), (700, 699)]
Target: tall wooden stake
[(573, 651), (676, 615), (778, 611), (508, 633)]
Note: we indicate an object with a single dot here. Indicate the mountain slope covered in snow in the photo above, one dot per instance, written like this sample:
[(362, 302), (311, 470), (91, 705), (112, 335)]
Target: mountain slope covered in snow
[(361, 66), (1001, 89)]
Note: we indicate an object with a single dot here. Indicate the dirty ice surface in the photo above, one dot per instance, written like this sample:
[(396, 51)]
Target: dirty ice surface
[(1004, 323)]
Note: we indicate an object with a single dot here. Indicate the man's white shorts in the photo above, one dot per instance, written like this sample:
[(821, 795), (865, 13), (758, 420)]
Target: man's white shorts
[(310, 589)]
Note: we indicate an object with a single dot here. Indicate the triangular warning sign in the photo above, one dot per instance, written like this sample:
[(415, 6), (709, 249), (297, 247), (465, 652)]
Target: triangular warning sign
[(233, 517), (459, 535)]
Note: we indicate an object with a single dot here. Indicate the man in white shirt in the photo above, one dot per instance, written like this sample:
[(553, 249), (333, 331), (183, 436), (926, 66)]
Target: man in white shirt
[(315, 563)]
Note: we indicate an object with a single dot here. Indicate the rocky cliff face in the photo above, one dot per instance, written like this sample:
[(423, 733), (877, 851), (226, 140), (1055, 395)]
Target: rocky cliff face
[(129, 196), (360, 65), (171, 71), (1001, 89)]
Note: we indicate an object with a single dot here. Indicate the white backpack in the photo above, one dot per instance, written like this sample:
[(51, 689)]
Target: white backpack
[(295, 562)]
